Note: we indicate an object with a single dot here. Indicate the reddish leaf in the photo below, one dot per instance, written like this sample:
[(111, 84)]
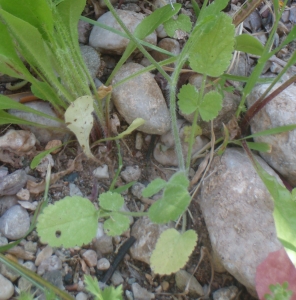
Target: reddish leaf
[(276, 268)]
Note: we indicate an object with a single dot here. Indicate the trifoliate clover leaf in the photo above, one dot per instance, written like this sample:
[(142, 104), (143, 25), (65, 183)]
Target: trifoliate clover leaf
[(70, 222), (174, 202), (111, 201), (211, 50), (172, 251), (210, 106), (182, 22), (154, 187), (188, 99), (116, 224)]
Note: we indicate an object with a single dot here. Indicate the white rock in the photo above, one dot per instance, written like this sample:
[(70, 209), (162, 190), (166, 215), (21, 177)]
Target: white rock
[(23, 194), (15, 222), (81, 296), (108, 42), (101, 172), (103, 264), (6, 288), (52, 263), (194, 288), (279, 111), (141, 293), (74, 190), (141, 97), (131, 173), (227, 293), (45, 253), (238, 211)]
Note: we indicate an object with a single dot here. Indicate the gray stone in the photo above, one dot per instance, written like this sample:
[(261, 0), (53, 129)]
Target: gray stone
[(54, 277), (227, 293), (117, 278), (15, 222), (101, 172), (141, 97), (31, 247), (164, 151), (278, 112), (141, 293), (103, 264), (9, 273), (92, 59), (238, 211), (146, 234), (13, 182), (43, 135), (83, 31), (7, 202), (137, 189), (81, 296), (104, 244), (6, 288), (74, 190), (45, 253), (194, 288), (52, 263), (3, 241), (229, 107), (90, 257), (131, 173), (3, 172), (108, 42)]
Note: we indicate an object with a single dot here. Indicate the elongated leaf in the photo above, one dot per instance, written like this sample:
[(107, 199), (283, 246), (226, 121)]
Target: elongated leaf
[(154, 187), (276, 130), (211, 49), (69, 222), (79, 120), (37, 159), (7, 103), (172, 251), (248, 44), (35, 12)]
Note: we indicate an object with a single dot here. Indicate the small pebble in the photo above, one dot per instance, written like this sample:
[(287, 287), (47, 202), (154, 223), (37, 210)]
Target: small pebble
[(117, 278), (74, 190), (3, 241), (139, 141), (45, 253), (104, 244), (165, 286), (227, 293), (101, 172), (54, 277), (131, 173), (129, 295), (6, 288), (137, 189), (141, 293), (15, 222), (81, 296), (182, 278), (103, 264), (50, 264), (90, 257), (31, 247), (9, 273), (23, 194), (13, 182)]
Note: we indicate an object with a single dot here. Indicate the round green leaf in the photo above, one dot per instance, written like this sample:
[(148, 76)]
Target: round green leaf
[(210, 106), (111, 201), (188, 99), (116, 224), (69, 222), (172, 251)]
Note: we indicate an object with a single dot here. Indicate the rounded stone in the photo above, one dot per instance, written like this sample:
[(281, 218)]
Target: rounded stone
[(6, 288), (91, 59), (110, 43), (141, 97), (12, 183), (15, 222), (168, 44)]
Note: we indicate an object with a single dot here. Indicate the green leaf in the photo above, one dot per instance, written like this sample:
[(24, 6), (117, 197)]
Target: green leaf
[(212, 46), (174, 202), (293, 195), (187, 132), (213, 9), (276, 130), (262, 147), (70, 222), (182, 22), (248, 44), (116, 224), (25, 296), (112, 293), (92, 286), (210, 106), (154, 187), (36, 13), (37, 159), (188, 99), (123, 188), (172, 251), (79, 120), (111, 201)]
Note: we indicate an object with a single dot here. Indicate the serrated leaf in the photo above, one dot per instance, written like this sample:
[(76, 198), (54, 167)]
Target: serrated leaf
[(248, 44), (172, 251), (116, 224), (79, 120), (154, 187), (188, 99), (211, 49), (182, 22), (92, 286), (179, 178), (213, 9), (174, 202), (210, 106), (112, 293), (70, 222), (111, 201)]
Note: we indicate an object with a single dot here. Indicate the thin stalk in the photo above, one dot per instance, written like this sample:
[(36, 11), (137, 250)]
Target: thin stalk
[(194, 123), (139, 46)]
